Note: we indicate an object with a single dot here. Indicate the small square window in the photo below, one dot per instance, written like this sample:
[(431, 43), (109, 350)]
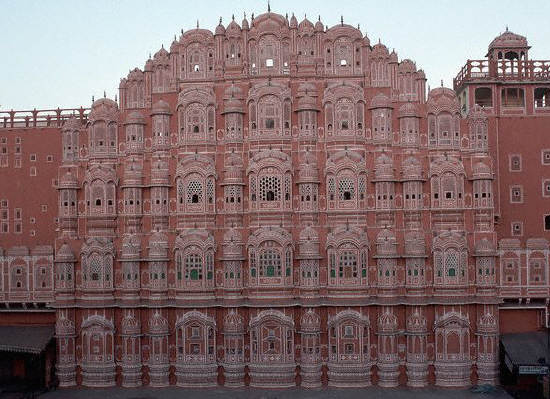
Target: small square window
[(32, 171), (269, 62), (18, 140), (516, 194), (515, 162), (33, 157), (33, 233), (44, 208), (517, 229), (4, 203), (546, 188), (49, 158)]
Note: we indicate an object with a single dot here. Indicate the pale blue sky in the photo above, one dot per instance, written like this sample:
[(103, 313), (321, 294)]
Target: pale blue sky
[(61, 52)]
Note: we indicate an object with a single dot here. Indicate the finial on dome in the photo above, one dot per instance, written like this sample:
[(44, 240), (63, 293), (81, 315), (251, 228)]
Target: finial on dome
[(149, 55), (197, 24), (379, 42), (342, 20), (174, 37), (319, 17), (305, 16), (116, 98), (220, 20), (104, 94), (268, 6), (182, 31), (441, 82), (252, 17), (506, 28), (93, 99), (232, 17)]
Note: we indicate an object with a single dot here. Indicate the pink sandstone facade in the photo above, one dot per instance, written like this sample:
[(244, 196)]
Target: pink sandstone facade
[(279, 203)]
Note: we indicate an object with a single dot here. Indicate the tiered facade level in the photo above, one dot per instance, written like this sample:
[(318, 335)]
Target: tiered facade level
[(278, 204)]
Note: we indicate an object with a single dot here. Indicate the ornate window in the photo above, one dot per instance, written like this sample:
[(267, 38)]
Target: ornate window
[(100, 191), (270, 181), (347, 250), (197, 115), (269, 111), (195, 339), (349, 340), (195, 185), (270, 257), (97, 264), (71, 130), (447, 183), (345, 173), (97, 350), (194, 257), (271, 338), (450, 260)]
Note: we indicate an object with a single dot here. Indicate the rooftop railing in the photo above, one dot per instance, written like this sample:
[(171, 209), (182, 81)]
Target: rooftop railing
[(40, 118), (510, 70)]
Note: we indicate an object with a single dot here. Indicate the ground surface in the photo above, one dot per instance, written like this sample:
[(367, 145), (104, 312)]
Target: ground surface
[(247, 393)]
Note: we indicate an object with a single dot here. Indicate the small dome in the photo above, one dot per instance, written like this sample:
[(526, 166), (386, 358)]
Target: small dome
[(233, 28), (161, 107), (104, 103), (64, 253), (68, 180), (158, 325), (508, 40), (442, 99), (319, 27), (416, 323), (148, 65), (310, 322), (380, 101), (484, 247), (244, 23), (293, 22), (407, 66), (306, 25), (73, 123), (130, 326), (220, 29), (386, 243), (135, 118), (408, 109), (383, 168), (307, 103), (380, 50), (162, 53), (233, 323), (387, 322), (482, 171), (393, 56), (412, 169)]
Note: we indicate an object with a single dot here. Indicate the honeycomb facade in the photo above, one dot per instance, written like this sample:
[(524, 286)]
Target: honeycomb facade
[(274, 204)]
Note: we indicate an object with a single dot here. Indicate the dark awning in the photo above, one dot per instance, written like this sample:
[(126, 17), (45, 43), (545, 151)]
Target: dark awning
[(25, 339), (528, 352)]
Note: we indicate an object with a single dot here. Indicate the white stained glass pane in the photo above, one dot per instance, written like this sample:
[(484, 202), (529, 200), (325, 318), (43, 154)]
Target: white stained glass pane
[(269, 62)]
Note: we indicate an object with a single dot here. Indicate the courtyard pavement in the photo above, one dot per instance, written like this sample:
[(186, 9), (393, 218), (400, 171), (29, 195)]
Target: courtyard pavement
[(251, 393)]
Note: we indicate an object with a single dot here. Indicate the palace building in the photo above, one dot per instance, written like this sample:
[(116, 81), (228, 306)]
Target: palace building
[(276, 204)]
